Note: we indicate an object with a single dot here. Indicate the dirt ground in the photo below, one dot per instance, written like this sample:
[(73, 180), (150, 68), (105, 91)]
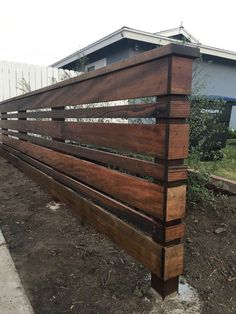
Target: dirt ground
[(67, 267)]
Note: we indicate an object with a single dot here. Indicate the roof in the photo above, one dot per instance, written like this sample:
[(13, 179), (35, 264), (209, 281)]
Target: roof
[(179, 31), (159, 39), (225, 98)]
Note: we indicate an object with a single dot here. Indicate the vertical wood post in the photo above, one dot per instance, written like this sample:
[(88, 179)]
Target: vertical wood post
[(3, 113), (22, 111), (176, 150), (58, 119)]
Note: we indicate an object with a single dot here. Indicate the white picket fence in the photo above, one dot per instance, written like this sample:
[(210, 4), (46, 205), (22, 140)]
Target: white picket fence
[(14, 75)]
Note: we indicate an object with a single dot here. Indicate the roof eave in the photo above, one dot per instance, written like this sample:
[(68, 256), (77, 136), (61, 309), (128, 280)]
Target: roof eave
[(162, 40), (101, 43), (133, 34)]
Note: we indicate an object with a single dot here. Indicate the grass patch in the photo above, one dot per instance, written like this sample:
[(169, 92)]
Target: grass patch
[(226, 167)]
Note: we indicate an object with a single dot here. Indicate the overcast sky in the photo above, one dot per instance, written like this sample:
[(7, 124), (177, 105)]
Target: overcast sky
[(44, 31)]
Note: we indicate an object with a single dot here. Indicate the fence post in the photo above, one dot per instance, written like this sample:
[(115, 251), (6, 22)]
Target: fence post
[(176, 151), (24, 133), (58, 119)]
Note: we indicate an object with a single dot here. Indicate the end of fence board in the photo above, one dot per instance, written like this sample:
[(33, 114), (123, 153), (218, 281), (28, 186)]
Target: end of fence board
[(181, 76), (128, 180), (175, 203)]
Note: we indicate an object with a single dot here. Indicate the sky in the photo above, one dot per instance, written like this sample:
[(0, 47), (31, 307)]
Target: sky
[(45, 31)]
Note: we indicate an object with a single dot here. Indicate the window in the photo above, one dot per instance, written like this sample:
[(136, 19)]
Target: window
[(91, 68), (95, 65)]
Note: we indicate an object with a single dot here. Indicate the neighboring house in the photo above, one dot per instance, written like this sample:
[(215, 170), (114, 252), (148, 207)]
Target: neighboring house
[(18, 78), (214, 75)]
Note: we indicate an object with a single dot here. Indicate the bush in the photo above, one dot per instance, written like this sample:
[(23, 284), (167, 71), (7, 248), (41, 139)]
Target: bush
[(231, 134), (208, 132)]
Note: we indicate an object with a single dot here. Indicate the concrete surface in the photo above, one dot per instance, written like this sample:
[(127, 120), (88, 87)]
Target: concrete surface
[(13, 299), (185, 302), (224, 185)]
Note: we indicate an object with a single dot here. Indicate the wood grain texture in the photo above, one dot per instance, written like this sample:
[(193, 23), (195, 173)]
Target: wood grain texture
[(138, 138), (181, 76), (127, 237), (176, 202), (151, 77), (144, 222), (178, 141), (134, 191), (134, 165), (173, 261), (134, 242), (179, 108), (174, 232), (82, 177), (146, 57)]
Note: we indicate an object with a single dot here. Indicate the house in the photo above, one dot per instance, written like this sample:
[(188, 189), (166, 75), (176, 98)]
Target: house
[(214, 75)]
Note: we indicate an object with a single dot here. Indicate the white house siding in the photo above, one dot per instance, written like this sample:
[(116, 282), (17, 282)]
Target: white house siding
[(211, 78), (12, 74)]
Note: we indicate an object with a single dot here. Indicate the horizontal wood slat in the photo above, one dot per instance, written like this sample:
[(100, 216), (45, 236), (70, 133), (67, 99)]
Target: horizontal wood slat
[(137, 166), (176, 108), (140, 193), (134, 242), (148, 139), (135, 217), (144, 222), (105, 76), (138, 138), (115, 86)]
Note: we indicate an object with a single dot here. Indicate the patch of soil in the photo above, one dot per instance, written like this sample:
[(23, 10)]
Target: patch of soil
[(67, 267), (210, 254)]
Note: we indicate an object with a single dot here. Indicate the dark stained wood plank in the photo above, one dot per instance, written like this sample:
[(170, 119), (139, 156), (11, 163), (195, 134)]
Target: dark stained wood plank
[(178, 141), (138, 138), (151, 78), (134, 191), (143, 248), (180, 76), (175, 203), (147, 196), (127, 237), (122, 211), (134, 165), (164, 288), (179, 108), (174, 232), (144, 222), (155, 54), (173, 261)]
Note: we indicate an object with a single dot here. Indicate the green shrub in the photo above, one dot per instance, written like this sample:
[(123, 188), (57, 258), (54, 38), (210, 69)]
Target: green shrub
[(231, 134), (208, 132)]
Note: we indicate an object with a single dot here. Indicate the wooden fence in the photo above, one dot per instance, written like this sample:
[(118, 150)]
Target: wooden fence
[(128, 180), (18, 78)]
